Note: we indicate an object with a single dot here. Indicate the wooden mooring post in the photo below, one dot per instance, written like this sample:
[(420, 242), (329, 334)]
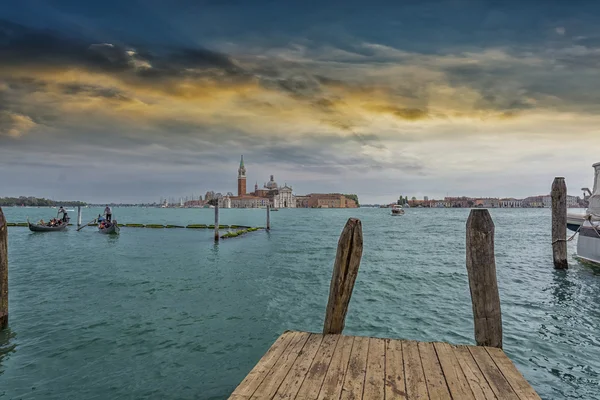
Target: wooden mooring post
[(217, 222), (559, 223), (78, 216), (3, 271), (268, 217), (481, 267), (345, 270)]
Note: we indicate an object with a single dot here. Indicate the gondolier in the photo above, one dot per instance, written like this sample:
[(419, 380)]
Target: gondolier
[(65, 217), (108, 213)]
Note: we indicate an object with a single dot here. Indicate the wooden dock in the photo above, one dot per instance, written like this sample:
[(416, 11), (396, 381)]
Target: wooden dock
[(331, 366), (307, 366)]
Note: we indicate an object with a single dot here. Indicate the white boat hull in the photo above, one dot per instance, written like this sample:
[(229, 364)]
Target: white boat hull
[(588, 243)]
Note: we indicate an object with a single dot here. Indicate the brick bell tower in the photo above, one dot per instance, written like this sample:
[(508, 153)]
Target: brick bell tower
[(242, 178)]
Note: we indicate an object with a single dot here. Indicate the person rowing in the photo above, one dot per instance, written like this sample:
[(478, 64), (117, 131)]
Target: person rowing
[(65, 217), (108, 213)]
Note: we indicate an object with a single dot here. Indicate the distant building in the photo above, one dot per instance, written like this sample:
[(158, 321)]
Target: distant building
[(271, 194), (330, 200), (301, 201), (511, 203)]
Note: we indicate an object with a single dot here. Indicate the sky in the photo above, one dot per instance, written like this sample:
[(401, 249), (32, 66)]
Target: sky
[(131, 101)]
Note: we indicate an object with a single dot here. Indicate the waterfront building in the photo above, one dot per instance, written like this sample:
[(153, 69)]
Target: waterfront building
[(330, 200), (511, 203), (301, 201)]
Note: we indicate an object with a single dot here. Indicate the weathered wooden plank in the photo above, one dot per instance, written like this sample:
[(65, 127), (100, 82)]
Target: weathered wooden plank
[(395, 388), (294, 379), (334, 378), (521, 387), (434, 377), (455, 378), (277, 374), (357, 366), (345, 270), (559, 223), (316, 374), (477, 382), (3, 271), (481, 268), (416, 387), (264, 365), (375, 375), (494, 377)]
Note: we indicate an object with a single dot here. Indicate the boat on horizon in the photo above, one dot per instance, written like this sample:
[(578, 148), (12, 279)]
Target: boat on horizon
[(397, 210)]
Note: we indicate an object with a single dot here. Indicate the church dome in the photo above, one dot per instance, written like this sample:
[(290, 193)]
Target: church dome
[(271, 184)]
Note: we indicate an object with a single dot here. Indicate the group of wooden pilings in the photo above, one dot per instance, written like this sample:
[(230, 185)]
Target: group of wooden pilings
[(217, 237), (481, 269)]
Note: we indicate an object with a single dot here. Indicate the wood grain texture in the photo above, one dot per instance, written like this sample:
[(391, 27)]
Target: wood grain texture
[(354, 381), (481, 268), (492, 374), (395, 387), (345, 270), (559, 223), (336, 374), (318, 369), (264, 365), (311, 366), (477, 382), (434, 377), (518, 383), (416, 387), (375, 377), (453, 373), (280, 369)]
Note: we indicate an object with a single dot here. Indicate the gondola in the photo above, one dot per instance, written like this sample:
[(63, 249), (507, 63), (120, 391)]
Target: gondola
[(112, 229), (46, 228)]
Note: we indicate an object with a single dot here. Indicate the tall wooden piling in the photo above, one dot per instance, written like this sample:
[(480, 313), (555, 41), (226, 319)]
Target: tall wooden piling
[(3, 271), (217, 222), (345, 270), (78, 216), (559, 223), (268, 217), (481, 267)]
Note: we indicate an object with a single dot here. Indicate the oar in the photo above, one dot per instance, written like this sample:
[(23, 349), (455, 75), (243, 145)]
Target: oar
[(83, 226)]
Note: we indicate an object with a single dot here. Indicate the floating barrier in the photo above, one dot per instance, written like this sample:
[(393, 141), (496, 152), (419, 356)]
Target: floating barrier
[(239, 233), (239, 229)]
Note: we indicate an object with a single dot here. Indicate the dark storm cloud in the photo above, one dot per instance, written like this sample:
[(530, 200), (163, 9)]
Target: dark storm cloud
[(24, 46)]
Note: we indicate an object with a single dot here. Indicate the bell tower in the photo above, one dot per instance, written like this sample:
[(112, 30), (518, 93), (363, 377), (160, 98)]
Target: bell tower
[(242, 178)]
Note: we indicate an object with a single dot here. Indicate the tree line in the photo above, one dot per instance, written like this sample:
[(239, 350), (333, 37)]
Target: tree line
[(36, 202)]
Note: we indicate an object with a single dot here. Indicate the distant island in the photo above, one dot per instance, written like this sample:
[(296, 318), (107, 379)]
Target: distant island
[(23, 201)]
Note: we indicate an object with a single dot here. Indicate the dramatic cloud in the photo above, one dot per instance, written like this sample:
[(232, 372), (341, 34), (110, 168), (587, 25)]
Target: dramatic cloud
[(337, 94)]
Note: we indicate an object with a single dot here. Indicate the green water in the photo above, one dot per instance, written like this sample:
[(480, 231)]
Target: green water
[(167, 314)]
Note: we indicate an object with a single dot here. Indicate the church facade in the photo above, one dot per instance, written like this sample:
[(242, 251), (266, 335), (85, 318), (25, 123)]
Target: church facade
[(270, 194)]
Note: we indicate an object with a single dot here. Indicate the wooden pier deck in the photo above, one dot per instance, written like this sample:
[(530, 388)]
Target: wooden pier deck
[(331, 366), (307, 366)]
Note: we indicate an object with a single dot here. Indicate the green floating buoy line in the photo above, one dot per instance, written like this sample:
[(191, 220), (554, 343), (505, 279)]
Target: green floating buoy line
[(238, 233), (240, 228)]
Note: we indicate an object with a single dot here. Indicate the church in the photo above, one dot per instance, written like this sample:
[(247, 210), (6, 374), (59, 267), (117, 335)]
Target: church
[(270, 194)]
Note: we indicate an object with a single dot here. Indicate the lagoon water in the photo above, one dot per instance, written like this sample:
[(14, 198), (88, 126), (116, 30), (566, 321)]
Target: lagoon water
[(167, 314)]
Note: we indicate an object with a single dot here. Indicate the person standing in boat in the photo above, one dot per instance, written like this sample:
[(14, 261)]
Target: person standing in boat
[(65, 217), (108, 213)]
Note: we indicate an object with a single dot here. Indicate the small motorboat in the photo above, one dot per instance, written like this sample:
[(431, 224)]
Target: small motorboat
[(588, 243), (47, 228), (113, 228), (397, 210)]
